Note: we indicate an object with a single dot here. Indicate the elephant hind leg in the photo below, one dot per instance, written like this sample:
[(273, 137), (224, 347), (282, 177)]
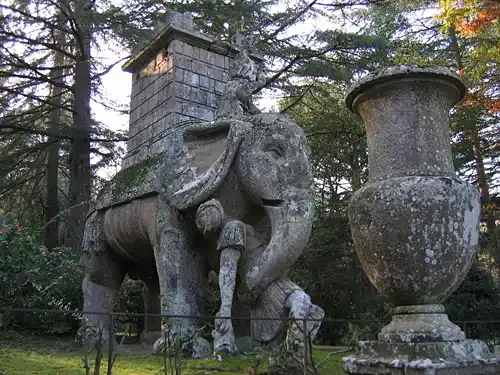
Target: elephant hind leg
[(104, 274)]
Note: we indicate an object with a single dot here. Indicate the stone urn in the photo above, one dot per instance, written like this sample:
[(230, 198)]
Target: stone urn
[(415, 225)]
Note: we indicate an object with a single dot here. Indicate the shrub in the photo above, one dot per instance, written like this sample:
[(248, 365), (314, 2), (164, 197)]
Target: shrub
[(477, 299), (130, 300), (32, 276)]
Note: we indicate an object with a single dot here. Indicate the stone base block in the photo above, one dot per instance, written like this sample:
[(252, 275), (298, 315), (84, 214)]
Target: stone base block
[(420, 323), (471, 357)]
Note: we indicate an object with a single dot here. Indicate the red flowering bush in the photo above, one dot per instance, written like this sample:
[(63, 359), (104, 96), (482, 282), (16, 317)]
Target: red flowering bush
[(32, 276)]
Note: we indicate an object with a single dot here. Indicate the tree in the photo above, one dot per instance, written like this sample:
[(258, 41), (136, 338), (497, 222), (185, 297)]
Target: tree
[(473, 29), (49, 79), (80, 173)]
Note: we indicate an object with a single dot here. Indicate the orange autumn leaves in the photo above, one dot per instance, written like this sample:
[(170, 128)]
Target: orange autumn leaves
[(477, 23), (471, 17), (471, 26), (481, 100)]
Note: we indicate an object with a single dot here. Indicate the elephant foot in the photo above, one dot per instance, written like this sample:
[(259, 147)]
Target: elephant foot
[(224, 337), (195, 348)]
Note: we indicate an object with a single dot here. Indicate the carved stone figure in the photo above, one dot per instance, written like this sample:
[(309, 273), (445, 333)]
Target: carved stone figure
[(235, 196), (259, 172), (244, 78)]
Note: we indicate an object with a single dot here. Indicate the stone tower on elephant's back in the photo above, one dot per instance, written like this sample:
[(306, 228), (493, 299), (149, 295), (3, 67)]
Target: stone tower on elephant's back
[(178, 76)]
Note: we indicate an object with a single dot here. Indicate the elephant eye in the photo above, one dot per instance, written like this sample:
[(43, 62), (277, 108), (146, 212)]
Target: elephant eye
[(275, 152)]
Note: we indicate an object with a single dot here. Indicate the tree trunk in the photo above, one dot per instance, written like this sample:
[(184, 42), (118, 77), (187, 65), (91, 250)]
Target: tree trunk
[(80, 174), (51, 238), (482, 181)]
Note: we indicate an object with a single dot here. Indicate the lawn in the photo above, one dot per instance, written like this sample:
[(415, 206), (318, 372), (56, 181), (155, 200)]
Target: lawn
[(24, 355)]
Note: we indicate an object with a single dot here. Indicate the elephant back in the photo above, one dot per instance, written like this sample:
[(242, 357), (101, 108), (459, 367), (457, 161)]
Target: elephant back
[(135, 181), (145, 177)]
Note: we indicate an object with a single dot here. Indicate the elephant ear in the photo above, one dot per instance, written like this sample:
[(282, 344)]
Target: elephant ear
[(199, 159)]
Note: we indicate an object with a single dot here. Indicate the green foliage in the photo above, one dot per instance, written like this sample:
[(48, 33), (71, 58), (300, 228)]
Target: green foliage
[(32, 276), (130, 300), (329, 270), (373, 312), (217, 18), (478, 298)]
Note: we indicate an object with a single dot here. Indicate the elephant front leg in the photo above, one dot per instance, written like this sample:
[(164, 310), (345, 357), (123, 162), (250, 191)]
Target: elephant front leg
[(182, 273), (231, 244)]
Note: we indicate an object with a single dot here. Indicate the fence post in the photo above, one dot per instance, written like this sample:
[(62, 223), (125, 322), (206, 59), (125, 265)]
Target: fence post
[(165, 365), (111, 340), (306, 341)]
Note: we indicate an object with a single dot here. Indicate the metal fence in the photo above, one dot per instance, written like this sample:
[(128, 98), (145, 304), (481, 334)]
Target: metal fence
[(109, 357)]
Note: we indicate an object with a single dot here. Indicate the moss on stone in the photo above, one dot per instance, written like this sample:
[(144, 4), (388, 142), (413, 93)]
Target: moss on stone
[(129, 179)]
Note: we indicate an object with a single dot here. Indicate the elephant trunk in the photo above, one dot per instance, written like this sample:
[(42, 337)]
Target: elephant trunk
[(291, 222)]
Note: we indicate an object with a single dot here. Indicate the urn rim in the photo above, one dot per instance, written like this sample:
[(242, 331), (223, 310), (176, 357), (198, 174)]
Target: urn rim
[(401, 72)]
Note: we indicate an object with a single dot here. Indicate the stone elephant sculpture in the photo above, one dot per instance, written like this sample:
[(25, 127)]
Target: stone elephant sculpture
[(257, 169)]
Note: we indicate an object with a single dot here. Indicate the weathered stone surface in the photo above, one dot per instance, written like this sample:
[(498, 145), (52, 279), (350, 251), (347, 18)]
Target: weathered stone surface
[(130, 183), (420, 323), (407, 130), (224, 340), (423, 220), (415, 225), (209, 218)]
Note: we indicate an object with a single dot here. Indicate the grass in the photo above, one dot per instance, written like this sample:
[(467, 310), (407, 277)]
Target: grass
[(24, 355)]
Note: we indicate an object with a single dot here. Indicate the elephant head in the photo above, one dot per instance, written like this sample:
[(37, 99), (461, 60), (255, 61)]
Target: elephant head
[(270, 156)]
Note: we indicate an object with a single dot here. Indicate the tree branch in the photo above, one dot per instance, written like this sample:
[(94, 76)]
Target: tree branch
[(308, 89)]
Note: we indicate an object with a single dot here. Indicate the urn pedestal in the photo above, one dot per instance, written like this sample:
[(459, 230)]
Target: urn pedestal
[(415, 225)]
